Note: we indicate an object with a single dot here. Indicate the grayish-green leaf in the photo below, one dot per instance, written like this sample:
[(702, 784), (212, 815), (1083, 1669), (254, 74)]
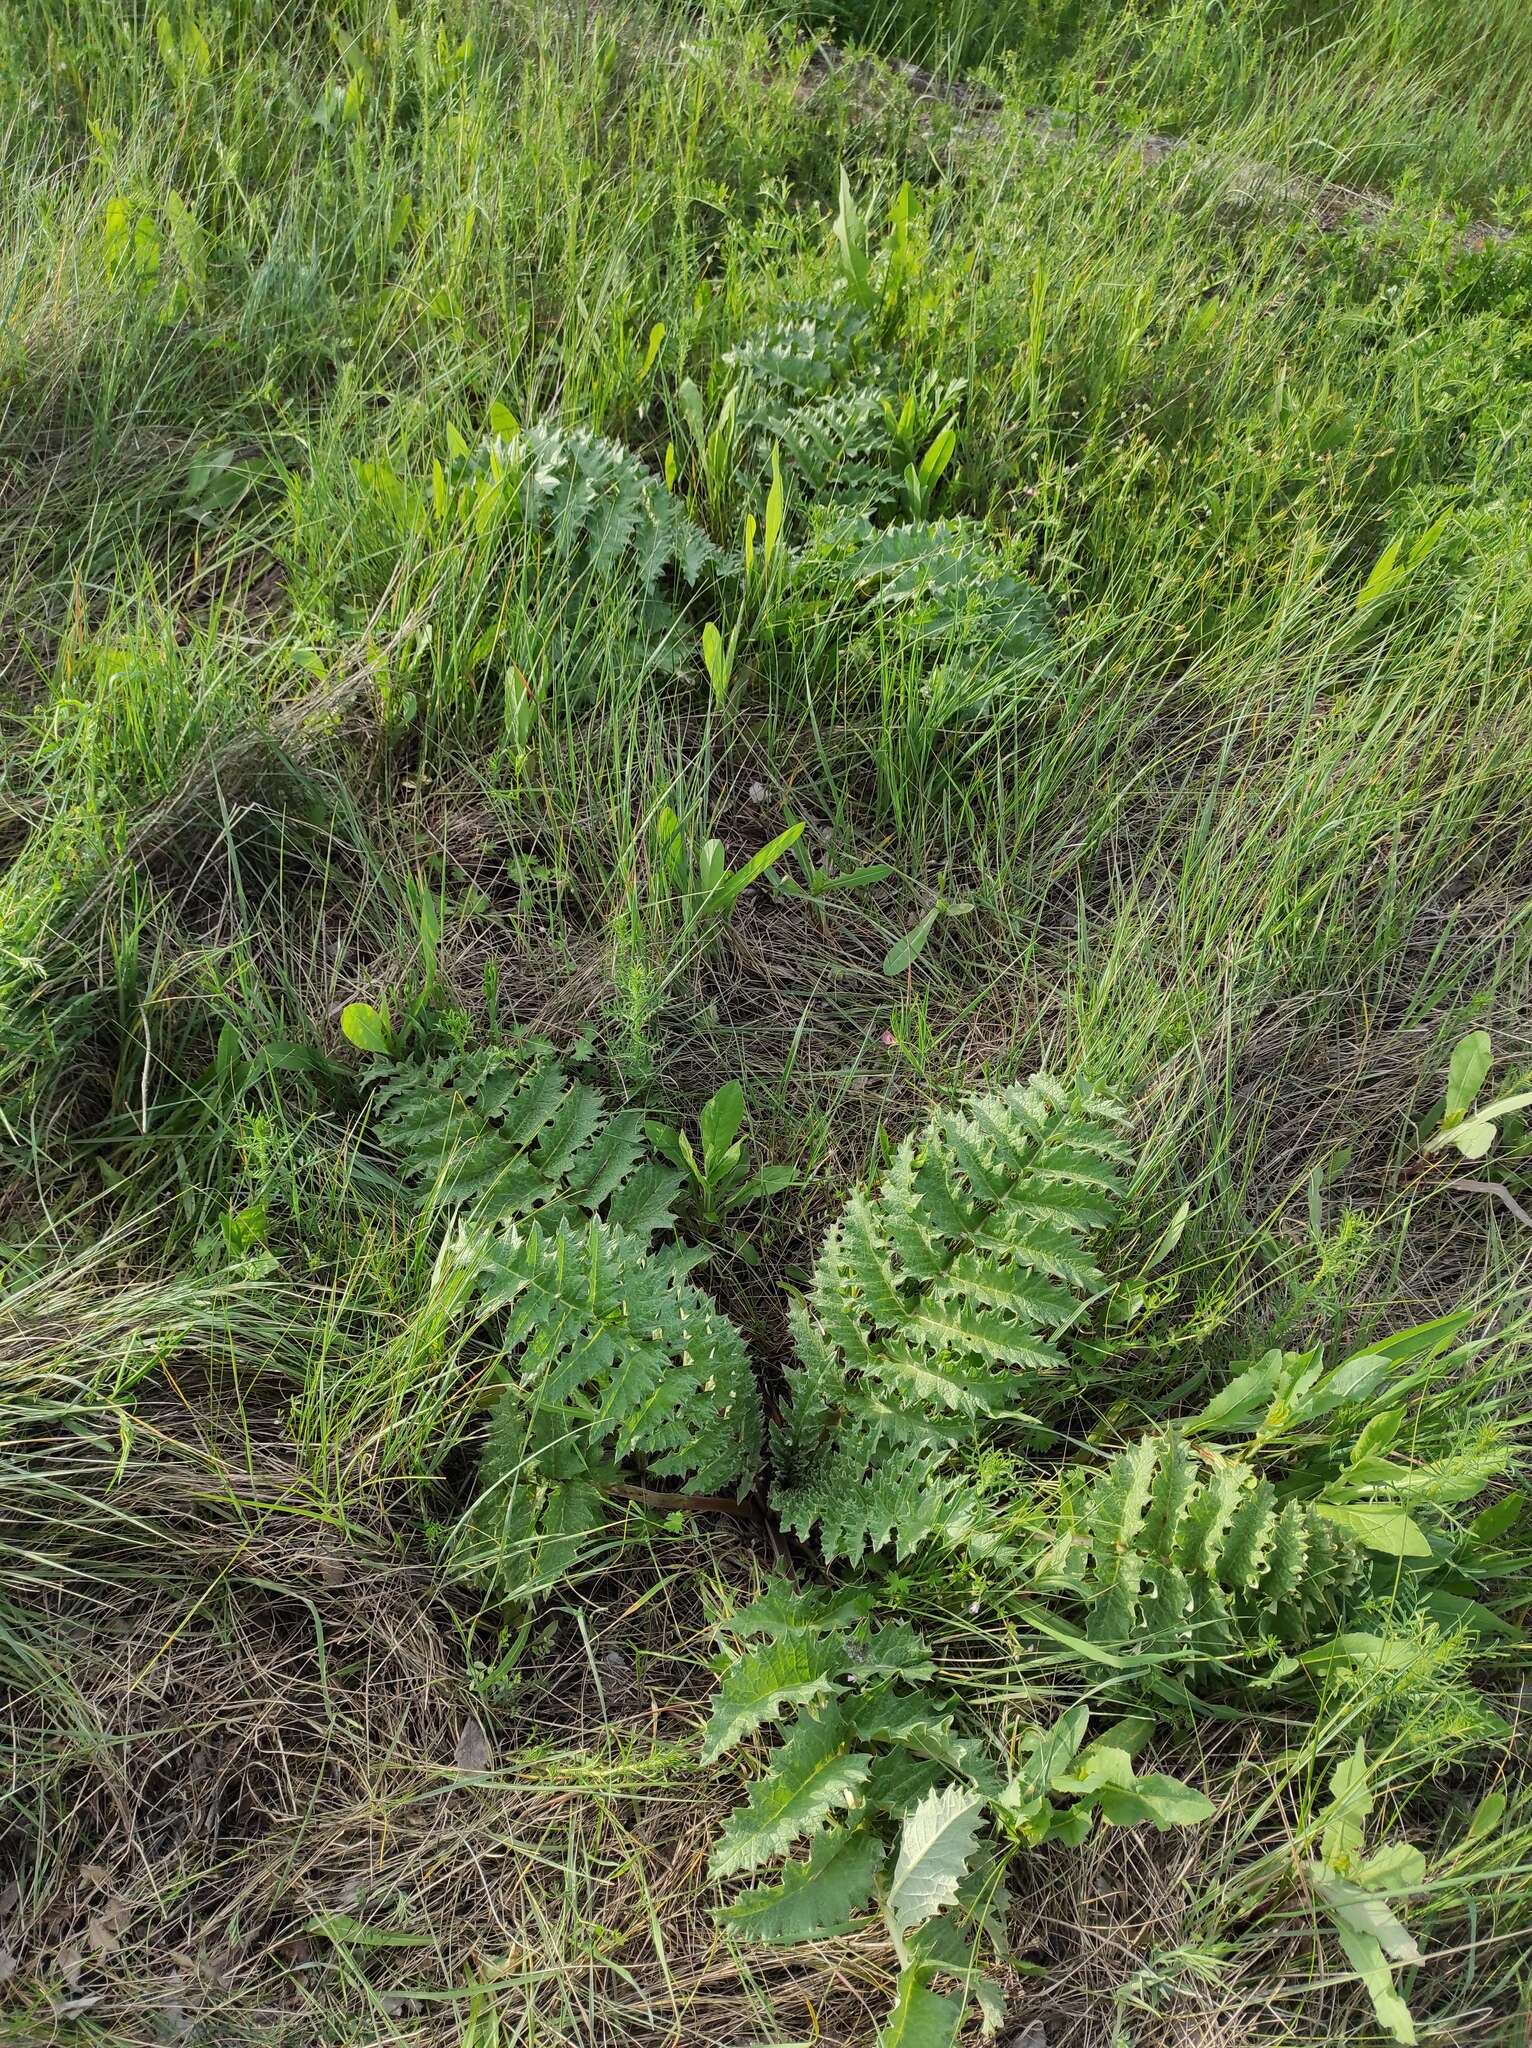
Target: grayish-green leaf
[(935, 1846)]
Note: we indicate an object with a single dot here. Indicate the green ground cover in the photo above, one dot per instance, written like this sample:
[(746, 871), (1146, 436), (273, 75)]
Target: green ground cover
[(611, 629)]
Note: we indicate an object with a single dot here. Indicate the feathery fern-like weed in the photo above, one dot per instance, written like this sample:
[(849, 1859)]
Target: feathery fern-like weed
[(939, 1309), (610, 1362)]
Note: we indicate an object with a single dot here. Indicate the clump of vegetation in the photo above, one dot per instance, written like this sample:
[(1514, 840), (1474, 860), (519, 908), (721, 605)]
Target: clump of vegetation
[(932, 1336), (935, 1310), (894, 1800), (611, 1360)]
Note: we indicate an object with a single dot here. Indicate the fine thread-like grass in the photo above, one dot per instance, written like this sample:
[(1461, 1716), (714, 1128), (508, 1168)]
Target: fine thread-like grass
[(1252, 849)]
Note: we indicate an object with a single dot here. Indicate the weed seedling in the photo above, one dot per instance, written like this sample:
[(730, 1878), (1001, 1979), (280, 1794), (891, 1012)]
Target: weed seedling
[(721, 1181)]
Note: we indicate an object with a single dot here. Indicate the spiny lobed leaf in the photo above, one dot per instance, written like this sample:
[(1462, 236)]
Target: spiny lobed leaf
[(936, 1308), (945, 586), (539, 1505), (817, 392), (1195, 1557), (871, 1736), (784, 1610), (660, 1374), (816, 1898), (797, 1671), (935, 1849), (802, 358), (870, 1752), (506, 1130), (921, 2017), (593, 501), (613, 1360), (813, 1773), (839, 445)]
